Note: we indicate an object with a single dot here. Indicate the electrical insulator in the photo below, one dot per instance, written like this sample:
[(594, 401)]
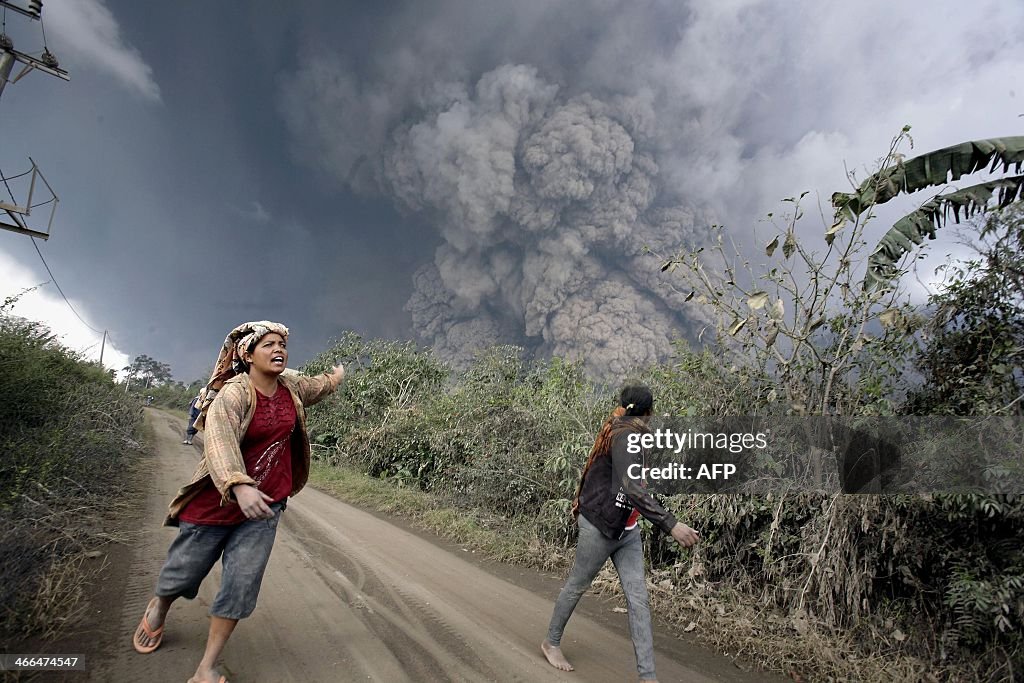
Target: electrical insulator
[(35, 7)]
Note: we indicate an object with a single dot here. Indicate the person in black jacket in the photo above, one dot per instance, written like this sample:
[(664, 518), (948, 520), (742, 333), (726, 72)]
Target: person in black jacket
[(608, 506)]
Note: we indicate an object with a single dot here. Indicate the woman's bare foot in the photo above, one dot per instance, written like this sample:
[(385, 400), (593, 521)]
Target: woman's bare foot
[(207, 676), (555, 657), (150, 631)]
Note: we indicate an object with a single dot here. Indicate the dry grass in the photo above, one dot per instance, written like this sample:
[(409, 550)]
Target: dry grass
[(50, 559), (58, 599), (51, 547), (764, 638)]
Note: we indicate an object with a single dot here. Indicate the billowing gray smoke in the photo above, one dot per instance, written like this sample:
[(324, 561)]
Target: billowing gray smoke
[(547, 142), (544, 203)]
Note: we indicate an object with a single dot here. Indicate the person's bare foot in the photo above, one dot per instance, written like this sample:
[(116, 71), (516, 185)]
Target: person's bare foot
[(555, 657), (207, 676), (155, 615)]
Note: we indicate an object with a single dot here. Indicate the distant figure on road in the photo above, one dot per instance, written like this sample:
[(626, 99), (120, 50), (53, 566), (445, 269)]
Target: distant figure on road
[(256, 455), (193, 413), (608, 506)]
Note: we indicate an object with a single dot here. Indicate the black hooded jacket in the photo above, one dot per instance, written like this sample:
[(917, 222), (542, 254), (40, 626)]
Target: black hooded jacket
[(609, 494)]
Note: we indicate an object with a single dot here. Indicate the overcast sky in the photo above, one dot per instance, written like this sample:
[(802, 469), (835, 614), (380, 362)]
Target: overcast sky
[(459, 172)]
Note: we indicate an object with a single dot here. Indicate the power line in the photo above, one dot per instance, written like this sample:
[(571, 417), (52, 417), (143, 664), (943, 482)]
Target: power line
[(43, 29), (46, 265), (59, 289), (8, 185)]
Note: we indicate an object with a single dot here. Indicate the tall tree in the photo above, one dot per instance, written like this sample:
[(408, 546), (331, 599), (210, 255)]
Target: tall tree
[(147, 371)]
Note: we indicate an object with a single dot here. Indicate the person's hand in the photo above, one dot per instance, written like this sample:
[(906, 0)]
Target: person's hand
[(253, 502), (338, 375), (684, 535)]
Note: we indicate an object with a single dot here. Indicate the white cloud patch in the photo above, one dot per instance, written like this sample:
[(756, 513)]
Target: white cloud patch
[(88, 32), (45, 305)]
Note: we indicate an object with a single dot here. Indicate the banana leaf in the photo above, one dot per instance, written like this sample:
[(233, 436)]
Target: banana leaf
[(935, 168), (915, 226)]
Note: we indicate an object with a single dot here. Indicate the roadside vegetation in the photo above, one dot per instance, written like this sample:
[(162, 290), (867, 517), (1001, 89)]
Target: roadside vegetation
[(67, 434), (816, 585)]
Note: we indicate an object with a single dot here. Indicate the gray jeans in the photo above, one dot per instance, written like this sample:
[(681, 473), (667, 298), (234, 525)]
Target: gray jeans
[(627, 554)]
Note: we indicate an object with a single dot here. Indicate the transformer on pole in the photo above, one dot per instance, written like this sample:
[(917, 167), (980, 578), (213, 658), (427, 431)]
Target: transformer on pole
[(8, 55)]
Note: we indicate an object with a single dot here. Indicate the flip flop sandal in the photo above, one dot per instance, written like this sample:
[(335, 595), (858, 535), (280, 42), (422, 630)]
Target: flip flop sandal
[(156, 635), (222, 679)]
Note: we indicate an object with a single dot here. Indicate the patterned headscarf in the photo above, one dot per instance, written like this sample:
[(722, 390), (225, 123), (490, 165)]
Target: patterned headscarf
[(230, 360)]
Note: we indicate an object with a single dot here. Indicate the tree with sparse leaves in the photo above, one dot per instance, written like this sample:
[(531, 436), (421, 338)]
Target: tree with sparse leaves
[(816, 341)]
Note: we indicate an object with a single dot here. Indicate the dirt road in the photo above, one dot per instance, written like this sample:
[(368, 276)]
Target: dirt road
[(351, 597)]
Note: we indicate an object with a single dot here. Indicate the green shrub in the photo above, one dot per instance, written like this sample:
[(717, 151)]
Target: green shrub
[(66, 431)]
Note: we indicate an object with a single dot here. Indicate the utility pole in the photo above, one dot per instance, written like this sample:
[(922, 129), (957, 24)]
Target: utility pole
[(18, 212)]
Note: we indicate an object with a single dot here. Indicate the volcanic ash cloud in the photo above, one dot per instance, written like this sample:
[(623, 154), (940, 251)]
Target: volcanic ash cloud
[(544, 203)]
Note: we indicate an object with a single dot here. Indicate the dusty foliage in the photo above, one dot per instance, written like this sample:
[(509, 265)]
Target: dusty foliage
[(852, 587), (916, 585), (931, 579), (65, 431), (847, 587)]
